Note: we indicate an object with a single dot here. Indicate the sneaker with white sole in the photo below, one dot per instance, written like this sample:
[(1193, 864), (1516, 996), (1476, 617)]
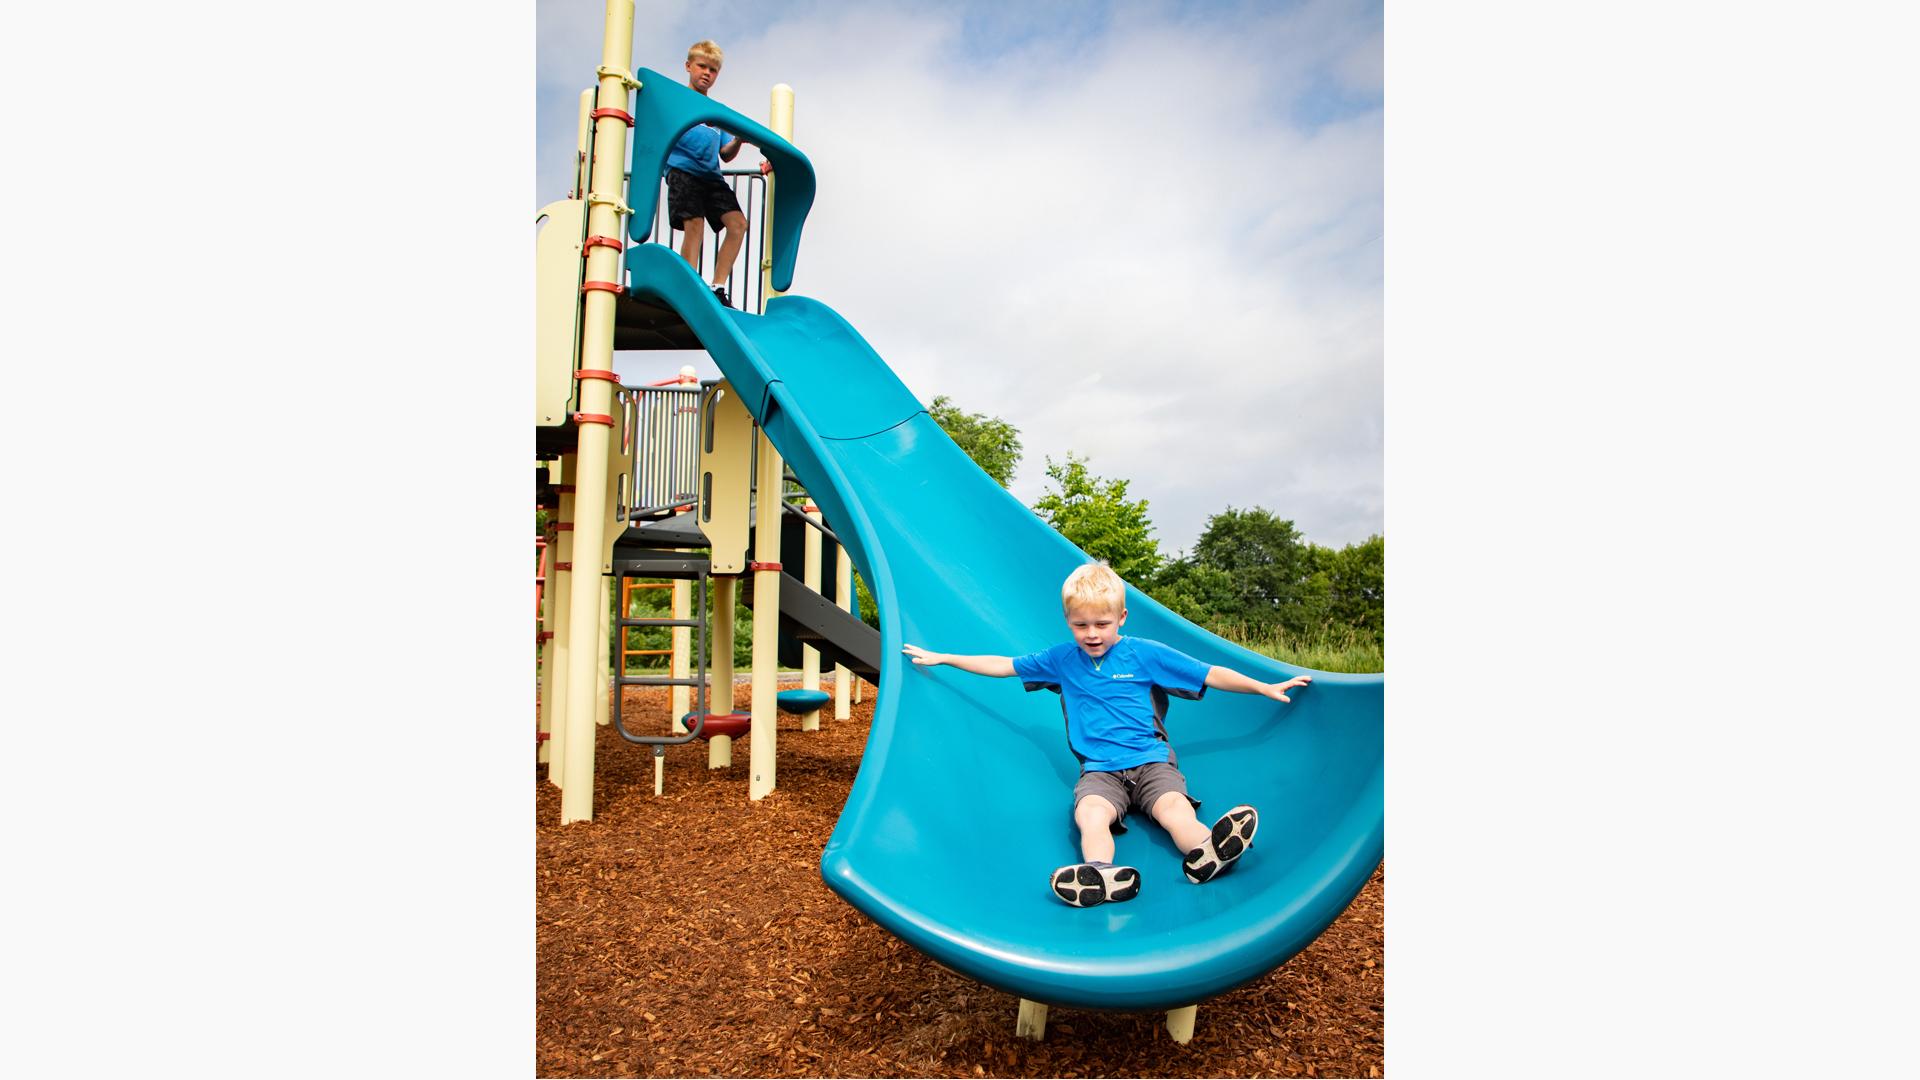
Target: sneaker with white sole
[(1084, 884), (1231, 837)]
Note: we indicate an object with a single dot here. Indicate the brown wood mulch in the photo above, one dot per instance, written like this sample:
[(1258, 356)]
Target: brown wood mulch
[(691, 935)]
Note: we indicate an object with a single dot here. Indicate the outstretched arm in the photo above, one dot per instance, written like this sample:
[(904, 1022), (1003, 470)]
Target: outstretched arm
[(998, 667), (1222, 678)]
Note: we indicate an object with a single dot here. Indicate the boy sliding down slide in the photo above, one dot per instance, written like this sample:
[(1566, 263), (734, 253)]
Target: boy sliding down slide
[(1114, 726)]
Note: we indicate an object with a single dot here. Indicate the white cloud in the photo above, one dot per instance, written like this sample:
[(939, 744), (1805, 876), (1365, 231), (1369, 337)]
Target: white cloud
[(1134, 252)]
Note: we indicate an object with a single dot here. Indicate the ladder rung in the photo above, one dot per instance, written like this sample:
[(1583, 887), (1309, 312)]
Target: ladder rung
[(657, 680), (646, 652), (659, 622)]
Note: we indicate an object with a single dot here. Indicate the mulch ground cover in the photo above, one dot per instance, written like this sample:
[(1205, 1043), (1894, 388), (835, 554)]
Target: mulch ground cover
[(691, 935)]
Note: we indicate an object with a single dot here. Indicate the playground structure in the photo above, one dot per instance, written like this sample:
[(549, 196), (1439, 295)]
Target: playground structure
[(949, 557)]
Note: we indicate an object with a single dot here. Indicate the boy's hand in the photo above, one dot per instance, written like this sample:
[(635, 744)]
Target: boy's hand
[(765, 166), (924, 658), (1278, 691)]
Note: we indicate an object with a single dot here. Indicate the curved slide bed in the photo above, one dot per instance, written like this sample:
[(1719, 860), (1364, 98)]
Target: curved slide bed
[(960, 808)]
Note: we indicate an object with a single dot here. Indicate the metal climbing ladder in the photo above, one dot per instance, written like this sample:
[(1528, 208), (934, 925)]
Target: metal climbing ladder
[(673, 567)]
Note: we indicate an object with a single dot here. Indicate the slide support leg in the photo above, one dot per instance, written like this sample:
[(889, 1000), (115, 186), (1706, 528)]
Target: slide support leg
[(1180, 1023), (1032, 1021)]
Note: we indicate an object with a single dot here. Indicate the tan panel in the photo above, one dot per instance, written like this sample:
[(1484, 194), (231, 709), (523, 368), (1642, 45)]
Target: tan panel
[(619, 474), (556, 322), (726, 478)]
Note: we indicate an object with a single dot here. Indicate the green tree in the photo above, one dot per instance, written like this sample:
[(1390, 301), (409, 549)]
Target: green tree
[(1203, 594), (1353, 584), (1096, 515), (1250, 568), (1262, 552), (991, 442), (1252, 573)]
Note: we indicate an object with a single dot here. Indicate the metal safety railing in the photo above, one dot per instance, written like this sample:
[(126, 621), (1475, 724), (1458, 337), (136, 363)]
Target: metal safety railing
[(662, 450), (744, 285)]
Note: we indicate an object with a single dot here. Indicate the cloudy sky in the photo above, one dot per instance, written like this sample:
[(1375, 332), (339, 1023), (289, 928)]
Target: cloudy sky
[(1147, 233)]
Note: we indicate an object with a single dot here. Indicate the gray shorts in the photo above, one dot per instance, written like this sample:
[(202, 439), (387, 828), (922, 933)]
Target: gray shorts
[(1132, 789)]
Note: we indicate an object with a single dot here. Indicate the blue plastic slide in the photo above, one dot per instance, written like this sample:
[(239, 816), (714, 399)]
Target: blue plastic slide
[(961, 806)]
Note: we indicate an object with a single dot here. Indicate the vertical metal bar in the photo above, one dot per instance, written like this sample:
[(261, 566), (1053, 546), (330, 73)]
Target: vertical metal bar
[(692, 467), (667, 462), (674, 450), (679, 451), (680, 441), (656, 465), (747, 249), (619, 688), (653, 464), (641, 479), (647, 472), (701, 701)]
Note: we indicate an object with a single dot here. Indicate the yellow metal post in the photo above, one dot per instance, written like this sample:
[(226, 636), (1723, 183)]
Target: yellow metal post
[(603, 686), (544, 722), (682, 645), (561, 582), (726, 478), (546, 648), (720, 690), (766, 504), (810, 656), (843, 596), (780, 121), (766, 618), (607, 170), (618, 491)]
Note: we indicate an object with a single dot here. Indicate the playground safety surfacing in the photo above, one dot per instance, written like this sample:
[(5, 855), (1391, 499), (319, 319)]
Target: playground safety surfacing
[(691, 935)]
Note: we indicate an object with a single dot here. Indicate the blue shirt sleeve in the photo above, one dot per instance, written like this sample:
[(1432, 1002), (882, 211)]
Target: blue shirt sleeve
[(1175, 671), (1038, 670)]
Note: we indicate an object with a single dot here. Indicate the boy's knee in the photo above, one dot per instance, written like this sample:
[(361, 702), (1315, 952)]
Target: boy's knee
[(1172, 802), (1092, 812), (733, 222)]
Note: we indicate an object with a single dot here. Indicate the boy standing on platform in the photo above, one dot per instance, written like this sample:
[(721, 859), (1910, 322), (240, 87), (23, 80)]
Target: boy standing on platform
[(697, 194), (1114, 692)]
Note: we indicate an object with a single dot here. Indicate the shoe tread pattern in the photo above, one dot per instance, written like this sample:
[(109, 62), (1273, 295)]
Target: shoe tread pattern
[(1085, 885), (1232, 835)]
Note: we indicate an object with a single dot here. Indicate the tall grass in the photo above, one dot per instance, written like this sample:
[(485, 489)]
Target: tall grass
[(1328, 648)]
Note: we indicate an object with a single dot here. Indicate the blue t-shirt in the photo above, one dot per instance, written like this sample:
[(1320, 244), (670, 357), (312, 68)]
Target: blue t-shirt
[(1115, 705), (698, 150)]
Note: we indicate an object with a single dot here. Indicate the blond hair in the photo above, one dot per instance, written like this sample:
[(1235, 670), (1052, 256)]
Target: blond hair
[(1095, 586), (707, 49)]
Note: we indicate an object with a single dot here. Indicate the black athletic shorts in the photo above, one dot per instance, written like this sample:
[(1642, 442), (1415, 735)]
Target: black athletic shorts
[(691, 196)]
